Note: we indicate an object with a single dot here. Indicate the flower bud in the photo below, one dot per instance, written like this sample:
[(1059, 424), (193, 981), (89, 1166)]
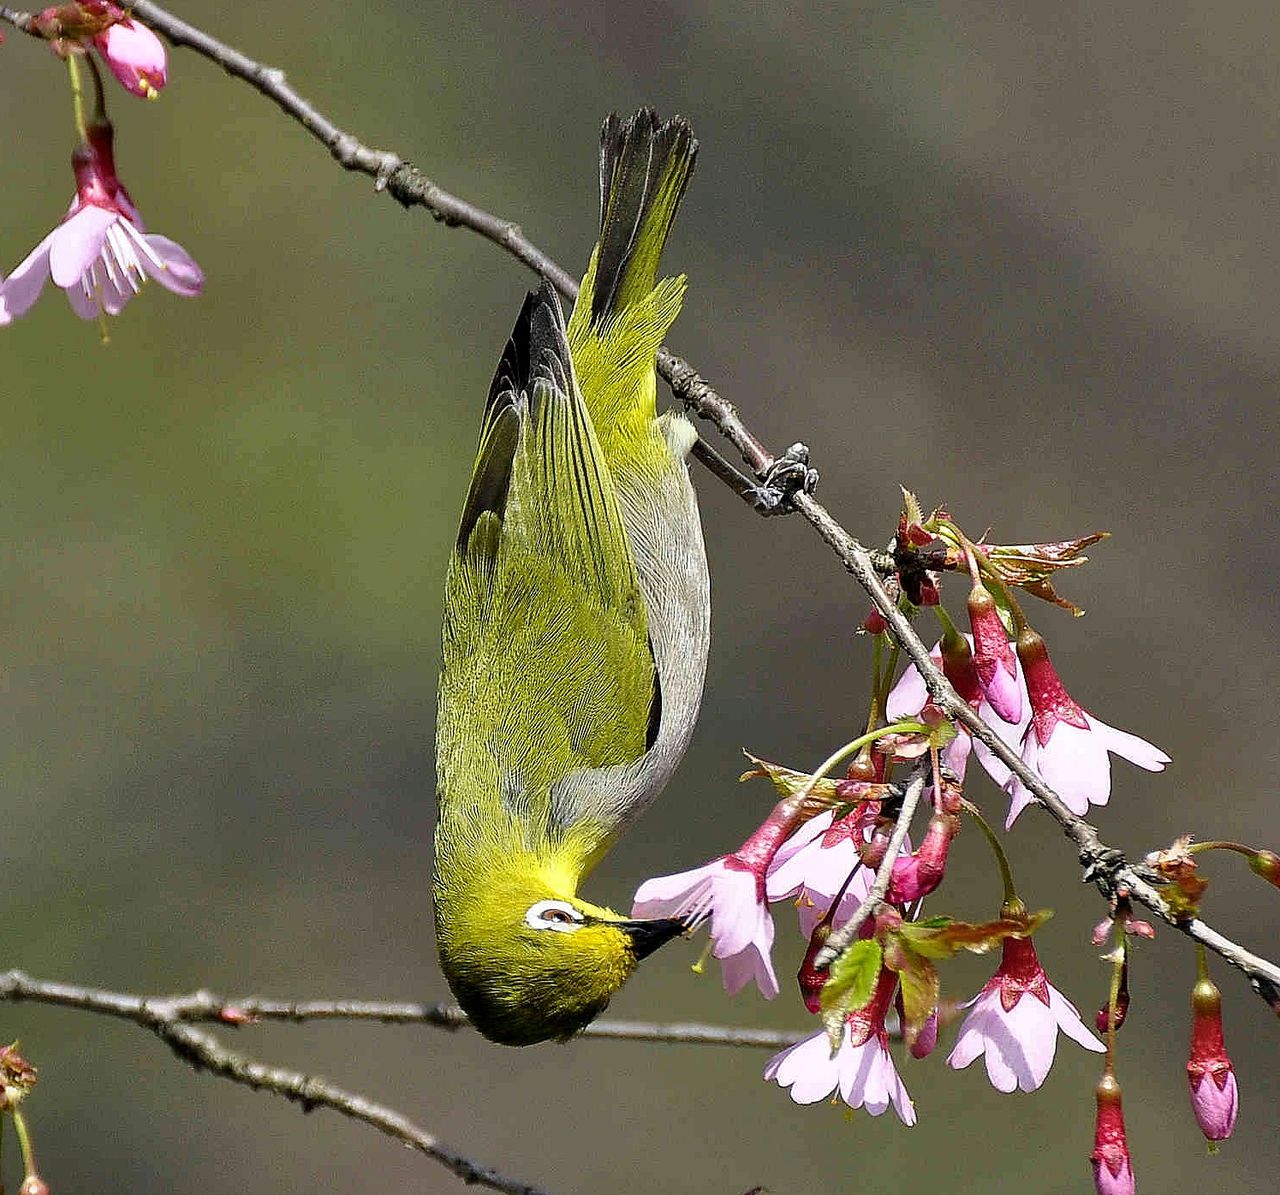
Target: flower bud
[(993, 656), (136, 57), (809, 977), (927, 1038), (1112, 1166), (917, 875), (1214, 1097), (1267, 865), (33, 1184)]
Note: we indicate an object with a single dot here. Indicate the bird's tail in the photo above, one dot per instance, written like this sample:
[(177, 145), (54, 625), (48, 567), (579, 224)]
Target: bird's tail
[(623, 312)]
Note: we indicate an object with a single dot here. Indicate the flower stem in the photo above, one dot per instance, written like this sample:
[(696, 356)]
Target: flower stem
[(1006, 874), (1119, 955), (1202, 962), (77, 96), (99, 94), (908, 726), (24, 1140), (1220, 845)]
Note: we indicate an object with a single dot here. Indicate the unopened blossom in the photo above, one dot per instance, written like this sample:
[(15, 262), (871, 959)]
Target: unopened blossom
[(1014, 1022), (135, 55), (1214, 1096), (99, 253), (861, 1070), (731, 892), (993, 657), (1112, 1165), (1068, 747), (909, 696), (915, 875)]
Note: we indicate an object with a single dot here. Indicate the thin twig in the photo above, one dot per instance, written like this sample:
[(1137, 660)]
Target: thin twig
[(848, 932), (205, 1006), (170, 1020), (1103, 865)]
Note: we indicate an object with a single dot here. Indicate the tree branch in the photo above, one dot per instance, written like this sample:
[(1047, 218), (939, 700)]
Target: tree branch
[(1103, 865), (203, 1006)]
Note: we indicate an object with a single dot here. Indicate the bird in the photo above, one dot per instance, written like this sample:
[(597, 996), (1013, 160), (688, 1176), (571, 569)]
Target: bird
[(576, 622)]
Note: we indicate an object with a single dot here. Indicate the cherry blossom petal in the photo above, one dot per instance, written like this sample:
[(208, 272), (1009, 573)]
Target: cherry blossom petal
[(22, 288), (807, 1068), (77, 243), (178, 272)]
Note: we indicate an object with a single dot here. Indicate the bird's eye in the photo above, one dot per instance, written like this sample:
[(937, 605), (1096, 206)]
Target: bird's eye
[(553, 914)]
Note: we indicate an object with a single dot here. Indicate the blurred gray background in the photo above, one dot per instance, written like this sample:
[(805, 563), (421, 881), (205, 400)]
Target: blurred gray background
[(1025, 259)]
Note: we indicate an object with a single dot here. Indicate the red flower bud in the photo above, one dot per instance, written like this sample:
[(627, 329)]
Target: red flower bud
[(1112, 1166), (1267, 865), (1214, 1097)]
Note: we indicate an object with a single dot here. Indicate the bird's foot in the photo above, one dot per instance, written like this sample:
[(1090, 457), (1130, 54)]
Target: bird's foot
[(788, 476)]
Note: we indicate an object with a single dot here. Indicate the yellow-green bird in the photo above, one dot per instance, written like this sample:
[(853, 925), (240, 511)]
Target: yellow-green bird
[(576, 623)]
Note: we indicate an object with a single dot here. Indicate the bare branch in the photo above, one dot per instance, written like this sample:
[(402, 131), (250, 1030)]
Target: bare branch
[(1103, 865), (841, 938)]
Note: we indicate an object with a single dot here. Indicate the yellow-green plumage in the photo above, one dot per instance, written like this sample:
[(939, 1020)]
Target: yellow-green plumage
[(576, 617)]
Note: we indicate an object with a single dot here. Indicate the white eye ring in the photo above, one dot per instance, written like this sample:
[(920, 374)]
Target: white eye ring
[(558, 915)]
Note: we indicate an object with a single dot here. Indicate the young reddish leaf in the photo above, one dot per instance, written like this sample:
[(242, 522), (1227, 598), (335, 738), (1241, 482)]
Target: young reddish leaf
[(921, 989), (948, 940)]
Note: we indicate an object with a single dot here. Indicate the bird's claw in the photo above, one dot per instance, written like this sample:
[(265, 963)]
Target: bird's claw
[(788, 476)]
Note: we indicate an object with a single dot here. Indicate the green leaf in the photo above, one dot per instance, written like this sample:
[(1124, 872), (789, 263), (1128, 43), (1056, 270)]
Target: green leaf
[(787, 781), (850, 983)]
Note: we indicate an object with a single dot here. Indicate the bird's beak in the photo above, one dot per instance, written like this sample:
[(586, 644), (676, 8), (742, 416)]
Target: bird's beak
[(646, 936)]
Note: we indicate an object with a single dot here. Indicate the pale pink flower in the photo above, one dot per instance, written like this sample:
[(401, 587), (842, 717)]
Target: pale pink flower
[(730, 891), (1067, 746), (861, 1069), (993, 657), (99, 253), (136, 56), (1015, 1021)]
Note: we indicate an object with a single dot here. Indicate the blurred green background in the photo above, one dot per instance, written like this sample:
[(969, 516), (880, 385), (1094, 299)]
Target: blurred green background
[(1021, 258)]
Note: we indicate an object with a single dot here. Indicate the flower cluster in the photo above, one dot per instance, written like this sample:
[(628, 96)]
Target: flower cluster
[(100, 253), (841, 850)]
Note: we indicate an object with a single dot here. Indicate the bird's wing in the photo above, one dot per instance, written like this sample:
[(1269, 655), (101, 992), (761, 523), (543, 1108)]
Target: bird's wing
[(547, 665)]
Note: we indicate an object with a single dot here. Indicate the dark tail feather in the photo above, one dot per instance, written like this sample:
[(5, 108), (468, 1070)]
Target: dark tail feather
[(645, 167)]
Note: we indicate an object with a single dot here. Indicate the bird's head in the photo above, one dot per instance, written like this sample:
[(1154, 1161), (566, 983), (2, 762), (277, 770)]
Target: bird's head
[(529, 961)]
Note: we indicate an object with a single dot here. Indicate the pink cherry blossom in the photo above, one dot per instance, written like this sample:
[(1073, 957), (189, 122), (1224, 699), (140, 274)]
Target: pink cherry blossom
[(1066, 745), (993, 657), (865, 1075), (730, 891), (741, 928), (1015, 1021), (861, 1069), (99, 253), (136, 56)]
